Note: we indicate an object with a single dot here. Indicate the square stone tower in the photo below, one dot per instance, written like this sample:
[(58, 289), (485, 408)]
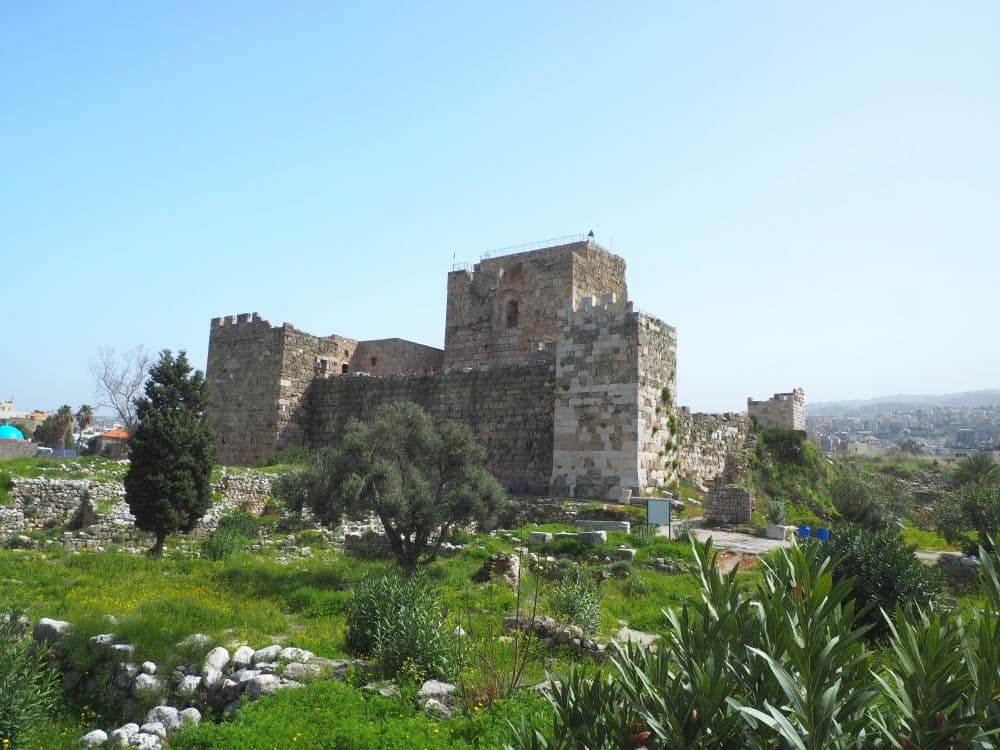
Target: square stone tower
[(615, 388), (504, 311)]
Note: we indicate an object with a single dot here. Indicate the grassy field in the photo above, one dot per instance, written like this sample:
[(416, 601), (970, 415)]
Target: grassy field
[(256, 599)]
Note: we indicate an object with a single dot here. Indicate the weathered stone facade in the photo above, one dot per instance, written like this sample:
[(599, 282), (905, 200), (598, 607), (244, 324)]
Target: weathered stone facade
[(786, 411), (611, 431), (571, 389), (705, 440)]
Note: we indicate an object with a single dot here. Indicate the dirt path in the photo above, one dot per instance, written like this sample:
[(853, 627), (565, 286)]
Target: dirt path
[(733, 540)]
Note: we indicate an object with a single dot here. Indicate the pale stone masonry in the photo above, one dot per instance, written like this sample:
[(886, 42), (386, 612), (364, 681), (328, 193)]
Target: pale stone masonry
[(570, 388), (786, 411)]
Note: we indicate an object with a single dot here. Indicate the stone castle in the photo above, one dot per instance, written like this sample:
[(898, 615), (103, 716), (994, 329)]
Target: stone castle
[(571, 389)]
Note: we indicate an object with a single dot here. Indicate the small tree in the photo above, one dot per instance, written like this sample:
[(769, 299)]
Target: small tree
[(120, 381), (978, 468), (975, 507), (84, 418), (421, 482), (168, 484), (53, 431)]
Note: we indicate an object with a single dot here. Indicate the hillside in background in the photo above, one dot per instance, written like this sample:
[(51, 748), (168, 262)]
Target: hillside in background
[(905, 402)]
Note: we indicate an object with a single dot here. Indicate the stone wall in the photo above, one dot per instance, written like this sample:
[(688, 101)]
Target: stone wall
[(394, 356), (612, 434), (509, 409), (786, 411), (39, 504), (260, 377), (505, 310), (705, 440), (17, 449), (657, 393), (596, 432), (244, 374)]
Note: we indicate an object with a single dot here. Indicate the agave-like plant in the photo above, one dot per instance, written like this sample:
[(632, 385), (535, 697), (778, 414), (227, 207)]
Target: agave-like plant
[(786, 666)]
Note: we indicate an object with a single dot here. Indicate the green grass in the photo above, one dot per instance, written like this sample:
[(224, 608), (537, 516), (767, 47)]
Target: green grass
[(96, 468), (642, 607), (926, 541), (336, 716)]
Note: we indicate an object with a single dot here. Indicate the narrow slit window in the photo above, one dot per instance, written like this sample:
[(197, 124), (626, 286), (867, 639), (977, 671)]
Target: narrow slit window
[(511, 315)]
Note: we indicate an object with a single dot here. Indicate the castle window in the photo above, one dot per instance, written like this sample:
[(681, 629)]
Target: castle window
[(374, 361), (343, 368), (511, 315)]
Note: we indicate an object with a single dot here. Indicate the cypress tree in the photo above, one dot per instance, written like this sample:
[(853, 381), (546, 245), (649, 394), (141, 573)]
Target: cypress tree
[(168, 486)]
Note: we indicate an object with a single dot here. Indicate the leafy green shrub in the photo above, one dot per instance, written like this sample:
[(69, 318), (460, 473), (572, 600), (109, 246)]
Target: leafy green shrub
[(776, 512), (884, 571), (6, 484), (643, 535), (240, 522), (571, 547), (223, 543), (684, 532), (310, 536), (578, 600), (975, 507), (397, 620), (620, 569), (27, 687), (293, 454), (565, 567), (863, 499)]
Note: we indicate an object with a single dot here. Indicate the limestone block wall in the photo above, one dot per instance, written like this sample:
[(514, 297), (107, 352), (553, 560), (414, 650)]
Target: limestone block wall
[(657, 394), (705, 440), (786, 411), (509, 408), (244, 373), (17, 449), (41, 503), (529, 290), (395, 356), (596, 430)]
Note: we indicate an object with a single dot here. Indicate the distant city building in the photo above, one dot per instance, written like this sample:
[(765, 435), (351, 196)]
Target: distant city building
[(785, 411), (965, 438)]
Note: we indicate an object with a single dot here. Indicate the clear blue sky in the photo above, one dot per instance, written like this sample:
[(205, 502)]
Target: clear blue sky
[(810, 194)]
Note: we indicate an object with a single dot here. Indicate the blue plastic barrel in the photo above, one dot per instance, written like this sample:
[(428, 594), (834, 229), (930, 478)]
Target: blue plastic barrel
[(823, 535), (804, 531)]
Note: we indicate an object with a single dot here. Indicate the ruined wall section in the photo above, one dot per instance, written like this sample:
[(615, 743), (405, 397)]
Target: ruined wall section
[(395, 357), (596, 430), (244, 372), (657, 394), (786, 411), (705, 440), (509, 409), (505, 310)]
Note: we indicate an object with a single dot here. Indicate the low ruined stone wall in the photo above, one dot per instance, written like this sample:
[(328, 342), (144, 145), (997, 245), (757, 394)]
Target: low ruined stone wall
[(509, 408), (729, 503), (39, 504), (706, 439), (17, 449)]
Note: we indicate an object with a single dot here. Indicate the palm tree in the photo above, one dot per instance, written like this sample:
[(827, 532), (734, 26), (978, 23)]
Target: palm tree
[(84, 418), (978, 468), (63, 425)]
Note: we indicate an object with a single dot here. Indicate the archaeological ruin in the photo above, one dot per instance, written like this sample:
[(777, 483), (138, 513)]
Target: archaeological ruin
[(569, 386)]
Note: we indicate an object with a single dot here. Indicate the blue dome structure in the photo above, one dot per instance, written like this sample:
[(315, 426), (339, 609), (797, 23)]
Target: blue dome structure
[(10, 432)]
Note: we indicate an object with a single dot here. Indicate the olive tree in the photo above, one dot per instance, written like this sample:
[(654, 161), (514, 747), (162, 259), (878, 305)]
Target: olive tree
[(419, 479)]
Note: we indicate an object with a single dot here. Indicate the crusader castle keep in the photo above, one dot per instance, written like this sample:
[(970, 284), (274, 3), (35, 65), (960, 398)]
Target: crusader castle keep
[(571, 389)]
